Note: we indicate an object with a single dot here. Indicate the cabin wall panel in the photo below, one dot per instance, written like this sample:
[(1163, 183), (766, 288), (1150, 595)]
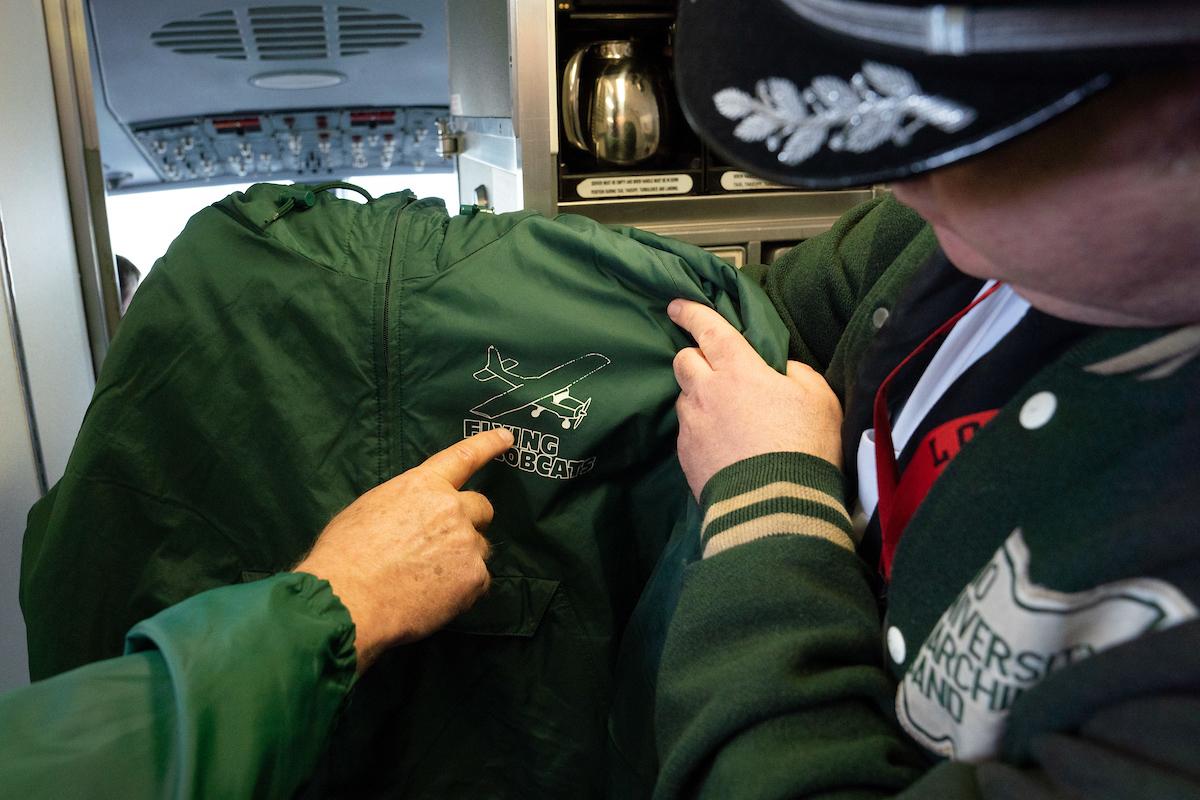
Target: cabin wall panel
[(48, 301)]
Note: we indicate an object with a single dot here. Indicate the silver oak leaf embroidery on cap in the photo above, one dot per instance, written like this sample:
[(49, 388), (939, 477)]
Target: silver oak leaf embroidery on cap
[(879, 104)]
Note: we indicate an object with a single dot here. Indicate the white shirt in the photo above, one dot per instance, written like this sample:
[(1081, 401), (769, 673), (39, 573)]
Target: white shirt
[(975, 334)]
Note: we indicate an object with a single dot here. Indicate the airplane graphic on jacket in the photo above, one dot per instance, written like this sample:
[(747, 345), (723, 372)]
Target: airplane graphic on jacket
[(550, 391)]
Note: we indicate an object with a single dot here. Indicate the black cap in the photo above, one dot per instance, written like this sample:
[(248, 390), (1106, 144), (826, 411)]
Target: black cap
[(833, 93)]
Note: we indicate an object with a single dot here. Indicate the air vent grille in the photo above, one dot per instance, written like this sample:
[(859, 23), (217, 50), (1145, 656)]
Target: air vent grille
[(361, 30), (283, 33), (288, 33), (213, 34)]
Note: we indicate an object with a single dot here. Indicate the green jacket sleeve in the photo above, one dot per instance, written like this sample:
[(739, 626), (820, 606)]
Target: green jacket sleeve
[(772, 683), (776, 692), (229, 694)]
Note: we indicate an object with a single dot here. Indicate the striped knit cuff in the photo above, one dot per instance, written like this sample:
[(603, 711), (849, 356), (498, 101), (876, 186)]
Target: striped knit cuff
[(776, 494)]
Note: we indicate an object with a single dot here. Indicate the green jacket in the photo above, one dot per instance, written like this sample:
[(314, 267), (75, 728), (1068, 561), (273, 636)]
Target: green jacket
[(1041, 636), (228, 694), (291, 351)]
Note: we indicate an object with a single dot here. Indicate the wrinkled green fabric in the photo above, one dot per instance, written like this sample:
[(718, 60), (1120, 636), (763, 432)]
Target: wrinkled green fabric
[(230, 694), (272, 368)]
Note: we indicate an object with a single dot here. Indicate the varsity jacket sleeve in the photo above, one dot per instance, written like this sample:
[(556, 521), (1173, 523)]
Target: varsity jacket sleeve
[(771, 684), (229, 694)]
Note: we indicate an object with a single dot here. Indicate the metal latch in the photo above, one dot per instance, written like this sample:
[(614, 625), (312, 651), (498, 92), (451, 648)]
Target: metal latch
[(449, 143)]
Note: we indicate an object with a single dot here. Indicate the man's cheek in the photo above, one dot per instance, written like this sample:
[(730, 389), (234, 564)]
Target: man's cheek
[(917, 194), (966, 257)]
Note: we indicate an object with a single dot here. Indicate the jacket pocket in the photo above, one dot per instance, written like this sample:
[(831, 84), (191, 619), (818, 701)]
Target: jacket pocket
[(513, 606), (508, 702)]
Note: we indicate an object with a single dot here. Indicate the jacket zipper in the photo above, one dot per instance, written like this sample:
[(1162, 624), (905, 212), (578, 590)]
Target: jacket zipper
[(385, 469)]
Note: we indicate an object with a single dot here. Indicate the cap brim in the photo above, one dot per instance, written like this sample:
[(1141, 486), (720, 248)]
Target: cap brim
[(793, 104)]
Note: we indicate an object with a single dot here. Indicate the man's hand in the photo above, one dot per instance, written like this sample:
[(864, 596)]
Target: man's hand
[(408, 556), (734, 405)]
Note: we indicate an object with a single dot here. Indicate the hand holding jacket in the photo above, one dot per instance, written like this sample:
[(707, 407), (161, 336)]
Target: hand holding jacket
[(734, 406)]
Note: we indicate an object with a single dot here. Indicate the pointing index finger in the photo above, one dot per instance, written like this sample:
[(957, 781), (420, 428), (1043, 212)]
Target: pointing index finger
[(458, 462), (718, 340)]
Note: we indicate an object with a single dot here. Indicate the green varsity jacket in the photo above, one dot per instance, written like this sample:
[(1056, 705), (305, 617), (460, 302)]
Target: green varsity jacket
[(1040, 638)]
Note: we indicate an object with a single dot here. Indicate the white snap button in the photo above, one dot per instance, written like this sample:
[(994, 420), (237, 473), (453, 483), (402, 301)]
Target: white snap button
[(1038, 410), (879, 317), (895, 644)]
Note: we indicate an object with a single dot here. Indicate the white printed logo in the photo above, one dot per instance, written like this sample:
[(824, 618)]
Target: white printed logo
[(1004, 634), (551, 393)]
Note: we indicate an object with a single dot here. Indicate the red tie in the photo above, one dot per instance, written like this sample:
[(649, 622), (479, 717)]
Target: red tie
[(894, 514)]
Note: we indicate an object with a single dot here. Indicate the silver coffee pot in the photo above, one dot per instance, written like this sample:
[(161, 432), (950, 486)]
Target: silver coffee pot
[(613, 103)]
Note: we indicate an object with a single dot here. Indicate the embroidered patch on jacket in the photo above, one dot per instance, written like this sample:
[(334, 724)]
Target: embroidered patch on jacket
[(881, 103), (1003, 635), (555, 393)]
